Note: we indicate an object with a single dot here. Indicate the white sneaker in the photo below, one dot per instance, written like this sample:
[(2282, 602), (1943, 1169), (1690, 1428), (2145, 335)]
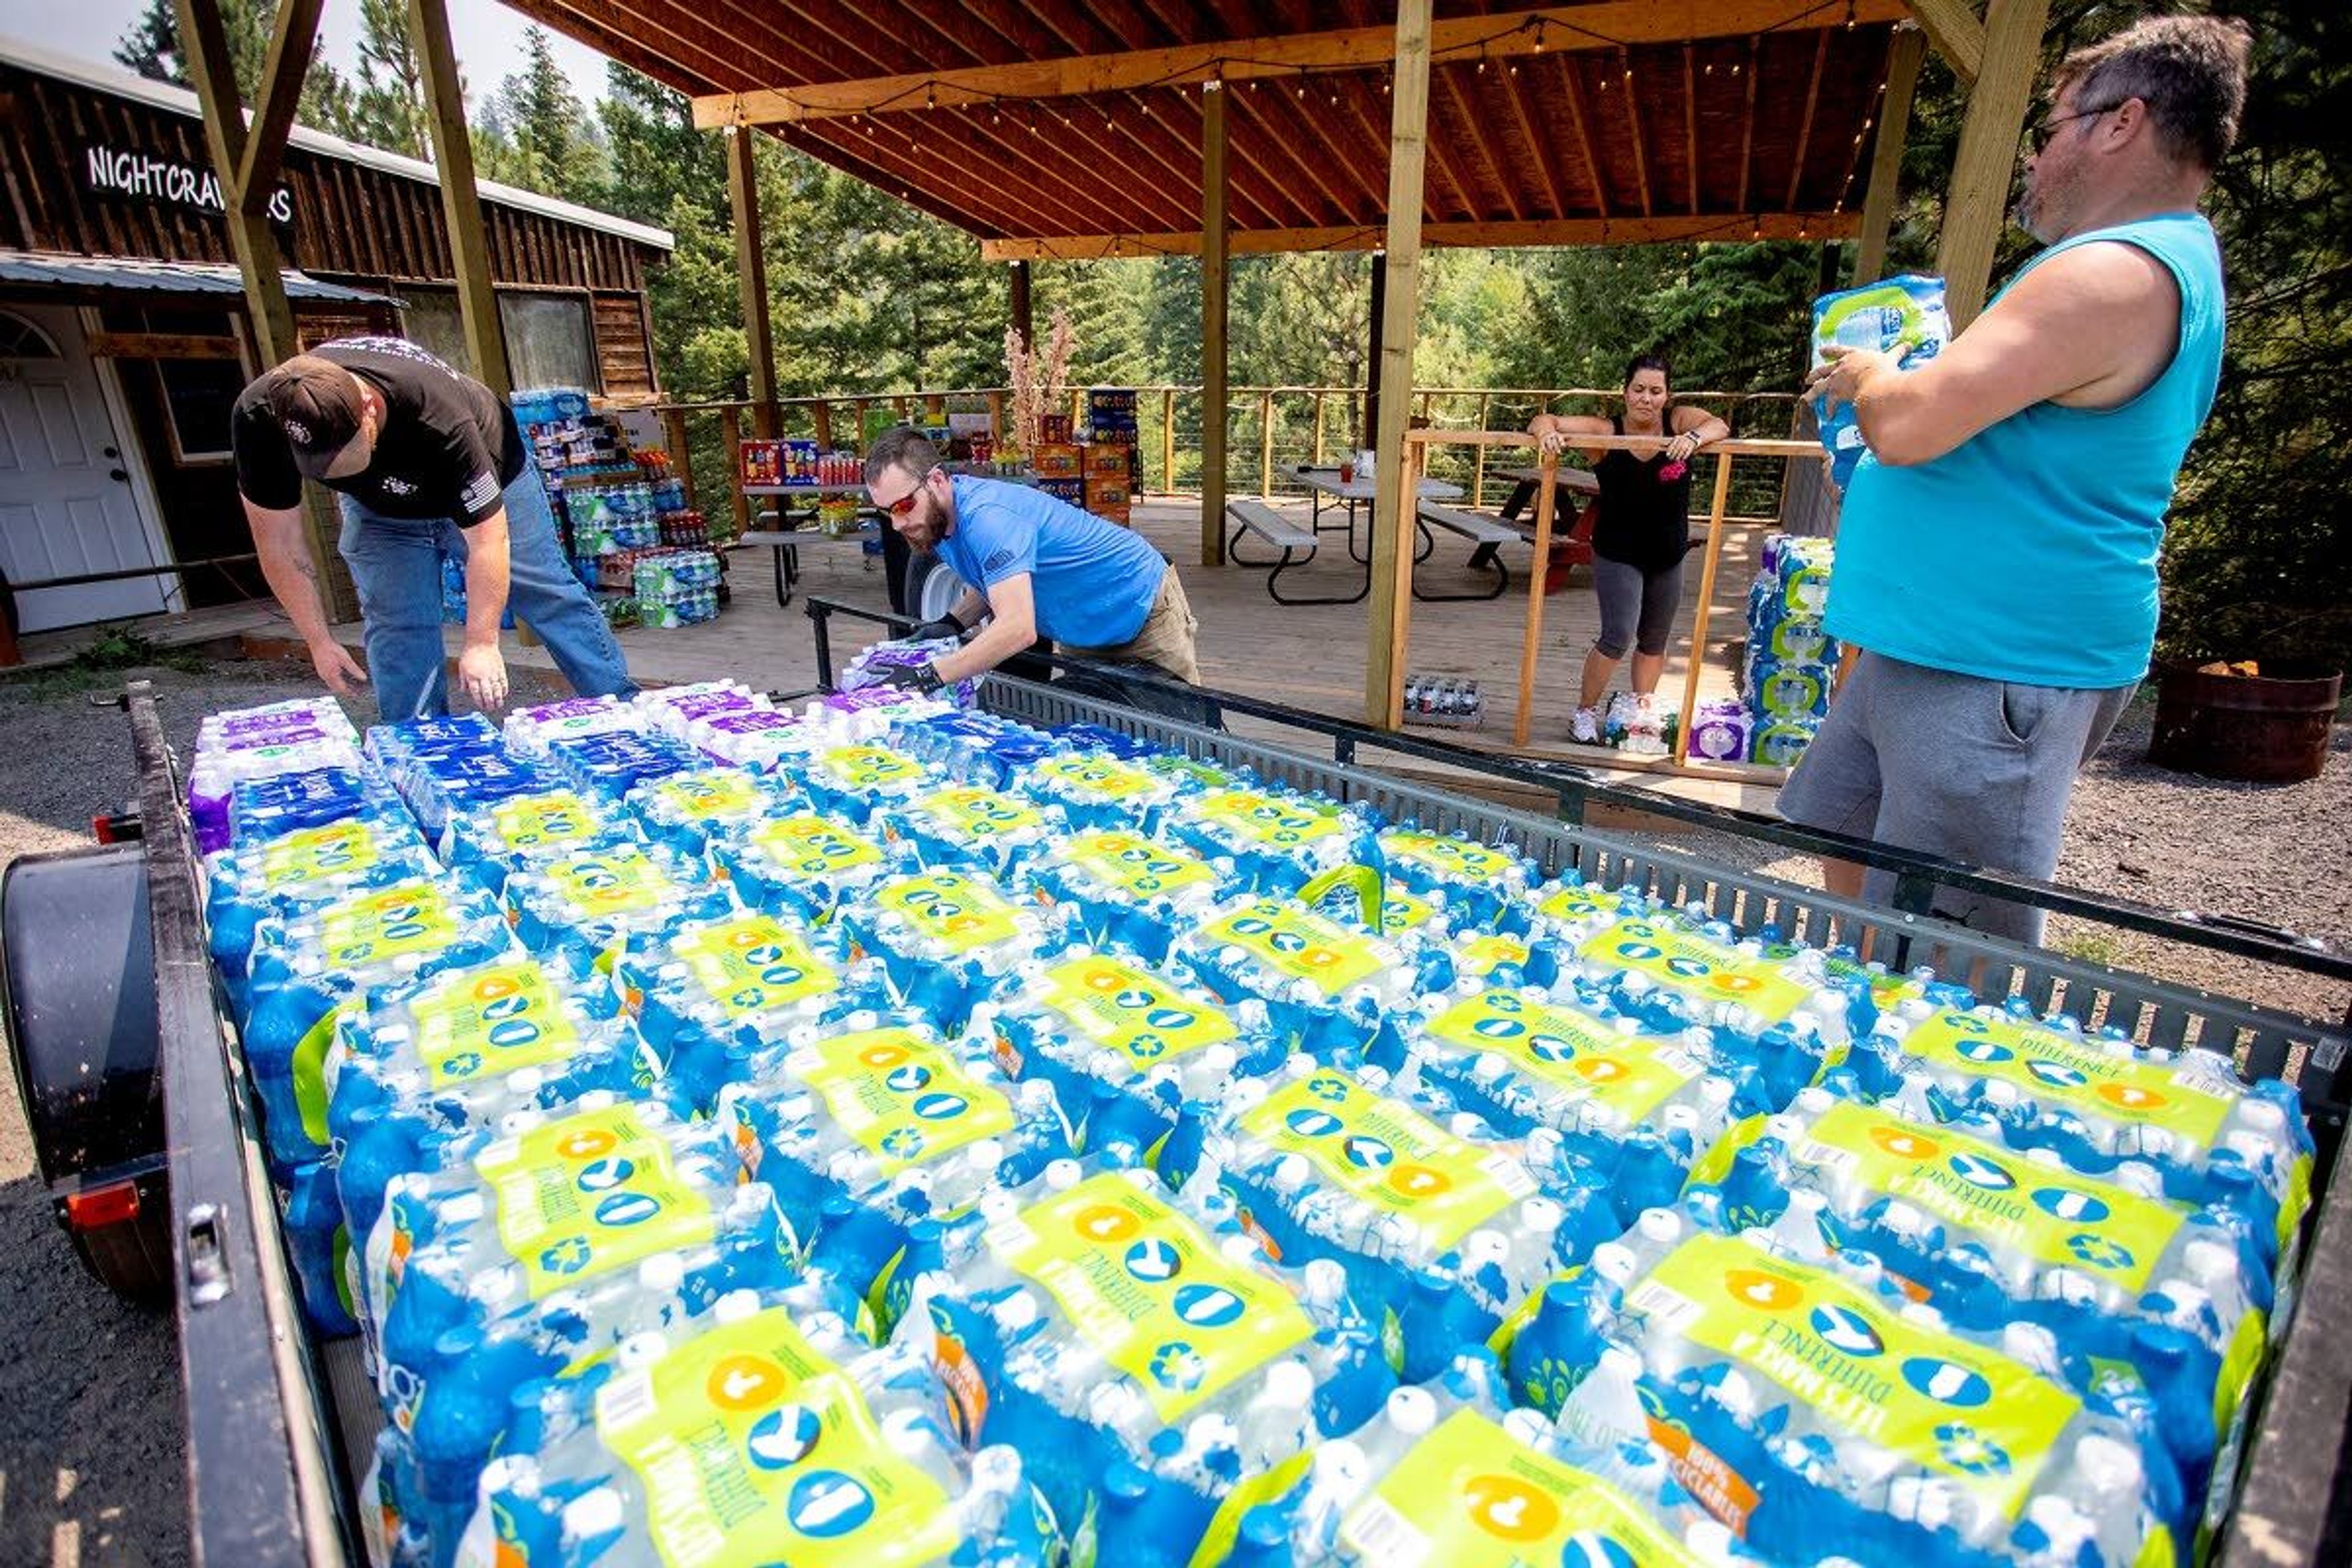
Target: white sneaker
[(1585, 728)]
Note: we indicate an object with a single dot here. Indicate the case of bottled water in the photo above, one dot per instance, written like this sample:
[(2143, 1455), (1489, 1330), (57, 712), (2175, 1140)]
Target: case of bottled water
[(948, 940), (801, 865), (581, 907), (1275, 840), (1124, 889), (490, 842), (972, 827), (691, 811), (1336, 993)]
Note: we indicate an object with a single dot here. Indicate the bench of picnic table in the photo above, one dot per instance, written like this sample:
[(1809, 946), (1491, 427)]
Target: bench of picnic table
[(1297, 543), (1487, 533)]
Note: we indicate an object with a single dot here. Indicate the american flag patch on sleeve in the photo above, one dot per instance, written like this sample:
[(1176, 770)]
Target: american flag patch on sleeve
[(479, 493)]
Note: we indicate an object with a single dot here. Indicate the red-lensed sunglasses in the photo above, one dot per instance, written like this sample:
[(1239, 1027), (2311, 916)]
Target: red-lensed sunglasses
[(905, 505)]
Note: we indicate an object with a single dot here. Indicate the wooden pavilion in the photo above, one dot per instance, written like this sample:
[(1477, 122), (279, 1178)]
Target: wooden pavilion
[(1057, 129)]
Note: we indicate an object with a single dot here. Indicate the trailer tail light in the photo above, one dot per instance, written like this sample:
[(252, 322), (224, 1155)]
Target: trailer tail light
[(116, 828), (97, 1207)]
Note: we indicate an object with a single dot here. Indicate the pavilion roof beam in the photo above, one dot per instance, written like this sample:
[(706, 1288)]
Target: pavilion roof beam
[(897, 166), (1166, 147), (1747, 129), (1378, 136), (1606, 24), (1450, 83), (1539, 151), (700, 51), (1188, 124), (1956, 33), (1690, 119), (1633, 128), (1805, 126), (1304, 132), (1072, 178), (1579, 110), (1350, 142), (1670, 228)]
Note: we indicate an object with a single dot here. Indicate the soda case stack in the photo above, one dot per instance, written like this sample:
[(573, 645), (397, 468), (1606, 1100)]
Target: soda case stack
[(675, 587), (1139, 1349), (1443, 1227), (1440, 700), (1272, 838), (1791, 664), (1128, 1049)]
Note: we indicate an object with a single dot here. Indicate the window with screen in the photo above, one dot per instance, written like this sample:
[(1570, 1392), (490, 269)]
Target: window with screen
[(549, 340)]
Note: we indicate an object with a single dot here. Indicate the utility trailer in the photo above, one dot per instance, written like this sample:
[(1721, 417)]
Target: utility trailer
[(148, 1131)]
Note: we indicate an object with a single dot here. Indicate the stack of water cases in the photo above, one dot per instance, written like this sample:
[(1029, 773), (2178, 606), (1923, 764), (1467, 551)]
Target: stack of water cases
[(1792, 660), (882, 1132)]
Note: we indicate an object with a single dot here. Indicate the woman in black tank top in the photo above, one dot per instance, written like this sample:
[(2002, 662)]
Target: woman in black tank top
[(1640, 537)]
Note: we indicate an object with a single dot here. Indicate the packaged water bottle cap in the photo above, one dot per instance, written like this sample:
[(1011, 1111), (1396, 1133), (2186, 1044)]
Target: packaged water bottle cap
[(594, 1514), (2109, 1469), (1615, 1263), (663, 1272), (1411, 1411), (1660, 1224)]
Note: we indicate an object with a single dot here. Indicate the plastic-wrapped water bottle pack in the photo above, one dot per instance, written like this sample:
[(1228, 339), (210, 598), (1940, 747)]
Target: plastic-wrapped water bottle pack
[(887, 1132)]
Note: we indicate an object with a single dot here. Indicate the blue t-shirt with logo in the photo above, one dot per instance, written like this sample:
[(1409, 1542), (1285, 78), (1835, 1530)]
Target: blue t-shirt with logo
[(1093, 582)]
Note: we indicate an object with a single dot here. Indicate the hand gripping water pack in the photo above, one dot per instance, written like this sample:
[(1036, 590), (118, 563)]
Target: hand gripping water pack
[(532, 730), (766, 1437), (852, 781), (1485, 886), (610, 765), (490, 842), (2128, 1286), (1126, 1048), (2100, 1103), (300, 872), (1273, 840), (349, 953), (691, 811), (800, 865), (1336, 993), (1140, 1348), (969, 827), (1636, 1103), (581, 907), (872, 664), (1448, 1473), (1443, 1226), (974, 747), (1099, 791), (1903, 316), (1126, 889), (862, 1129), (540, 1245), (1804, 1407), (711, 994), (948, 941)]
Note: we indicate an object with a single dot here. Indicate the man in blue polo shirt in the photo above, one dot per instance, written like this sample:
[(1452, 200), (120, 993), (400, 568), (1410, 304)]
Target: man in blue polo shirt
[(1038, 565)]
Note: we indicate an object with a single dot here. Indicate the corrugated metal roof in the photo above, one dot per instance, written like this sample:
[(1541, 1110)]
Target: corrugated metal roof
[(165, 277)]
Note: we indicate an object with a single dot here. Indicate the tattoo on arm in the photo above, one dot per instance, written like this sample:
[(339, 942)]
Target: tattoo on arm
[(302, 564)]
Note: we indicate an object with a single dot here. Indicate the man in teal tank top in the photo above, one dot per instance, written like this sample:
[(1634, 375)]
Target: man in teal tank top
[(1997, 552)]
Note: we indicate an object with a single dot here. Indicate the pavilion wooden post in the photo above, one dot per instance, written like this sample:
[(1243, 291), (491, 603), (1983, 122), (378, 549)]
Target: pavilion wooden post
[(1022, 320), (1976, 204), (1215, 277), (1478, 468), (1700, 617), (1265, 445), (1396, 471), (1168, 440), (751, 276), (681, 457), (1362, 436), (1318, 426), (246, 163), (1903, 57), (730, 439), (461, 203), (821, 415), (1531, 640)]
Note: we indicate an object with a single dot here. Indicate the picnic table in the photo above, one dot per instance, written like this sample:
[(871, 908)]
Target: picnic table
[(1569, 483), (788, 543), (1297, 546), (1355, 494)]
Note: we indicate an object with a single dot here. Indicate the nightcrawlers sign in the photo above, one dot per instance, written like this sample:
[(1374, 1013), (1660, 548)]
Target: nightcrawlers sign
[(114, 172)]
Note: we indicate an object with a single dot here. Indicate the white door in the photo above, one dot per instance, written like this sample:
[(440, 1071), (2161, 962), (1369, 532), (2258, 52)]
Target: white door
[(65, 504)]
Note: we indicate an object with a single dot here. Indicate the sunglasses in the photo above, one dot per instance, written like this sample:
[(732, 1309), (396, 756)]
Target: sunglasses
[(2039, 136), (905, 505)]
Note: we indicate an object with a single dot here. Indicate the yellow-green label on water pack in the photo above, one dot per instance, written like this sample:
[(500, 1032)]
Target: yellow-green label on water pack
[(1454, 858), (1299, 942), (592, 1193), (1985, 1422), (1142, 867), (977, 813), (712, 796), (869, 767), (908, 1099), (1570, 1050), (753, 963), (1686, 961), (484, 1023), (542, 821), (1123, 1009), (1388, 1154), (1479, 955), (1580, 903), (2051, 1215), (1105, 778), (753, 1449), (807, 845), (618, 880), (1269, 819), (414, 917), (2080, 1074), (311, 854), (1470, 1495), (1400, 910), (1151, 1291), (950, 908)]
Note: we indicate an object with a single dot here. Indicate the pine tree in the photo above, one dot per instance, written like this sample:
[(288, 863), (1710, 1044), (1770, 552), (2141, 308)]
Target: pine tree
[(151, 48), (656, 157), (535, 134), (388, 106)]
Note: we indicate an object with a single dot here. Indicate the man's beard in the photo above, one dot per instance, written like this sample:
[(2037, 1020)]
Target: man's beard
[(926, 534)]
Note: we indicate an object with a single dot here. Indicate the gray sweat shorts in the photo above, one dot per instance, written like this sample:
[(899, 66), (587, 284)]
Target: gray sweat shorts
[(1973, 770)]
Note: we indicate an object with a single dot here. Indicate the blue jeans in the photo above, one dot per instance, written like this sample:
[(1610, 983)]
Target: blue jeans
[(395, 564)]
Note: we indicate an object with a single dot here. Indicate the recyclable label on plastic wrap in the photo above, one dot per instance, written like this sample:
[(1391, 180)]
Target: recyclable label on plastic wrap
[(2066, 1070), (313, 854), (1400, 910), (1151, 1291), (977, 813), (590, 1193), (1470, 1495), (414, 917), (907, 1100), (1141, 866), (1145, 1016), (1268, 819), (1299, 942), (1687, 963), (811, 845), (1453, 857), (1479, 955), (712, 796), (539, 821), (1389, 1156), (1571, 1051), (755, 1449), (1105, 778), (754, 963), (484, 1023), (617, 881), (958, 911), (1572, 905), (1987, 1422), (868, 768)]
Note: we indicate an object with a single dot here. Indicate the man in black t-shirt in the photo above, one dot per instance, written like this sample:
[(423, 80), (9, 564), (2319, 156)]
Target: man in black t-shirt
[(426, 463)]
